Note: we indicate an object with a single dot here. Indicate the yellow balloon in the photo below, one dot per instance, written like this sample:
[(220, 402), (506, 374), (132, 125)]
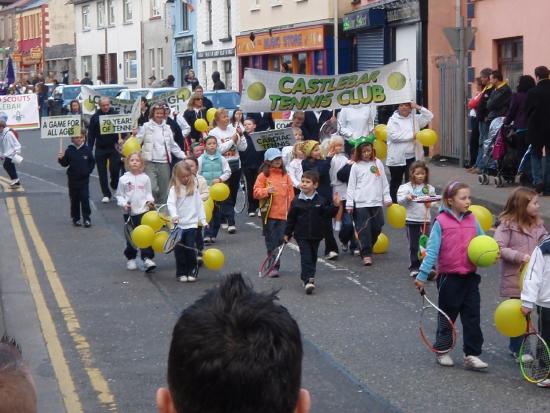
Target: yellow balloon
[(213, 259), (397, 215), (509, 320), (483, 215), (208, 211), (381, 149), (381, 132), (219, 192), (152, 219), (522, 271), (483, 251), (201, 125), (427, 137), (210, 203), (143, 236), (382, 244), (210, 114), (159, 241), (130, 146)]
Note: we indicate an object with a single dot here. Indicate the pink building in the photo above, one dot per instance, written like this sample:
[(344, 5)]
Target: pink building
[(511, 37)]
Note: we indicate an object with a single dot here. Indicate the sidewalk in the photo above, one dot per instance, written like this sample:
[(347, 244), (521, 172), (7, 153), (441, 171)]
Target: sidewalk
[(491, 197)]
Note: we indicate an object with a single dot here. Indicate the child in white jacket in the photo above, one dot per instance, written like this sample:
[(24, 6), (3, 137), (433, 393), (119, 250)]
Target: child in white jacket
[(368, 191), (536, 291), (134, 196), (418, 214), (186, 211), (10, 150)]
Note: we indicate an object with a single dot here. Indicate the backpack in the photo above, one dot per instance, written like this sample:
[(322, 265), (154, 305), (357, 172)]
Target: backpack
[(343, 173)]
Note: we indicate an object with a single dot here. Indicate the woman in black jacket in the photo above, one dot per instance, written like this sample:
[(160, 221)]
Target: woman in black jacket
[(195, 110)]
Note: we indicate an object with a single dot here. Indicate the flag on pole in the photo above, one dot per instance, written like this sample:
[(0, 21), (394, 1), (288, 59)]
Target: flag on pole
[(10, 72)]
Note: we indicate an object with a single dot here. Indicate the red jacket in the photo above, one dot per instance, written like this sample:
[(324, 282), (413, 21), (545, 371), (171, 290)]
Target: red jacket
[(283, 195)]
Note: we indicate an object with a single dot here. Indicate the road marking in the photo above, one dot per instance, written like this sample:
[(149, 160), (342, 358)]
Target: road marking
[(97, 380), (59, 362)]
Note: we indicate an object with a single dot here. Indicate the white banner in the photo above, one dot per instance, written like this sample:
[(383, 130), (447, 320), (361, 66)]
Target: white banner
[(265, 91), (109, 124), (20, 111), (273, 138), (177, 100), (60, 126)]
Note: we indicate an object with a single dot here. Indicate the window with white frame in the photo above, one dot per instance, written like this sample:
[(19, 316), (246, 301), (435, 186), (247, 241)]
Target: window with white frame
[(85, 17), (204, 78), (228, 7), (275, 3), (86, 64), (228, 74), (209, 19), (155, 8), (2, 28), (254, 4), (101, 14), (130, 65), (152, 62), (110, 13), (127, 10), (184, 17), (161, 62), (9, 28)]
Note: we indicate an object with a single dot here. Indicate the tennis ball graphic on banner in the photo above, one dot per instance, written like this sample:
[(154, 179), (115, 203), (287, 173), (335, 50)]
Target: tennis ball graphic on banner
[(396, 81), (256, 91), (184, 94), (89, 105)]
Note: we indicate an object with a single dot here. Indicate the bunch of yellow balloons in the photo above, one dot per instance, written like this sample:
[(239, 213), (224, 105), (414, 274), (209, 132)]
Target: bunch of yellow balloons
[(427, 137), (380, 145), (149, 233)]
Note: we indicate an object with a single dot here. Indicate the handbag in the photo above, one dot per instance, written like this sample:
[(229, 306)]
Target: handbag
[(17, 159)]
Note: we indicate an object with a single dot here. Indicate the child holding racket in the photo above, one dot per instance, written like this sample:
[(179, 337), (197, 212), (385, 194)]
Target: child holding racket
[(214, 168), (204, 192), (273, 183), (458, 283), (520, 230), (368, 191), (536, 292), (134, 195), (186, 211), (418, 214), (307, 213)]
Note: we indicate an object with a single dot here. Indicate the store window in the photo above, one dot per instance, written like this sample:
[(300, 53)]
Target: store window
[(227, 71), (302, 63), (86, 64), (130, 66), (152, 62), (510, 59), (161, 62)]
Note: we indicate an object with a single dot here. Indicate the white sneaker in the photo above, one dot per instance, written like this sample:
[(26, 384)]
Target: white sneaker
[(225, 226), (149, 265), (544, 383), (183, 279), (191, 279), (105, 199), (231, 229), (309, 286), (526, 358), (251, 214), (445, 360), (474, 363), (337, 225), (357, 253), (332, 255), (259, 213), (413, 273), (131, 265)]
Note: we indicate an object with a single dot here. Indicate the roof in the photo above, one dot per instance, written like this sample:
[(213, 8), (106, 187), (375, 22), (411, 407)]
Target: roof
[(32, 4), (15, 5)]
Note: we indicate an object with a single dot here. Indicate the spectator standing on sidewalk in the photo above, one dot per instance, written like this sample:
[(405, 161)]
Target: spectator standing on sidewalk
[(474, 124), (499, 101), (538, 129), (481, 114)]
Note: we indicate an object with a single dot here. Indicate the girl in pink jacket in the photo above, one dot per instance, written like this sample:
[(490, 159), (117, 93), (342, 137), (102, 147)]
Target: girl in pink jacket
[(519, 232)]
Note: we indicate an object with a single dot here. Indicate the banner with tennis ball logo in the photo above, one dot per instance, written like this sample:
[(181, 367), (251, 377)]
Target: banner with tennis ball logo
[(60, 126), (265, 91)]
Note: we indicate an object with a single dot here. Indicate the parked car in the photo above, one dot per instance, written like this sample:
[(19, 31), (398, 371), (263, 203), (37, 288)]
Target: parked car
[(157, 91), (104, 90), (61, 97), (228, 99), (132, 94)]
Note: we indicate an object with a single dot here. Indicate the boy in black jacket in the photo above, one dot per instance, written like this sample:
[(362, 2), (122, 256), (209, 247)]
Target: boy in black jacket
[(307, 213), (80, 160)]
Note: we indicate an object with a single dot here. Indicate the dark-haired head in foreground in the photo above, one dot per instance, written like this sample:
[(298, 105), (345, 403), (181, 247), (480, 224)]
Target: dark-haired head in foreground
[(17, 391), (235, 351)]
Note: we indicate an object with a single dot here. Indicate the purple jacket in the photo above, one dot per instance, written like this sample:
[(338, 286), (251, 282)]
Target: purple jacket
[(517, 112), (514, 245)]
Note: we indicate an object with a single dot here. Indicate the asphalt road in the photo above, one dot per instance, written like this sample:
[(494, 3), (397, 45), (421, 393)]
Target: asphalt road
[(113, 327)]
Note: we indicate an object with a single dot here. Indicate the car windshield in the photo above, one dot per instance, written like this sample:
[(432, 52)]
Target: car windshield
[(110, 92), (224, 100), (136, 94), (70, 93), (161, 92)]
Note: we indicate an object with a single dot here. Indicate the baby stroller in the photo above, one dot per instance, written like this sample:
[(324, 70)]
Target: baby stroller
[(488, 164), (508, 153)]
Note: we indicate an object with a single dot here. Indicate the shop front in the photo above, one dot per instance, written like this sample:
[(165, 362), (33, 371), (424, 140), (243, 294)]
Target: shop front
[(305, 50), (29, 61), (184, 56)]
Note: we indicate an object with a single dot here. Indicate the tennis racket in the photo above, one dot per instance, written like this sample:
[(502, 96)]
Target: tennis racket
[(174, 239), (534, 355), (271, 261), (164, 215), (437, 330), (128, 228), (328, 129), (357, 232), (242, 198), (427, 199)]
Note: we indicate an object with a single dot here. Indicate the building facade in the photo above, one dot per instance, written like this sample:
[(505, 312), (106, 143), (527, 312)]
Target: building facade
[(31, 36), (157, 40), (185, 40), (60, 52), (7, 31), (216, 41), (299, 34)]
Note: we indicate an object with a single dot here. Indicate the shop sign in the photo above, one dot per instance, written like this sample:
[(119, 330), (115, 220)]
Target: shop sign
[(216, 53), (286, 41), (36, 53), (402, 11), (268, 91), (184, 45), (29, 60), (16, 56), (363, 18)]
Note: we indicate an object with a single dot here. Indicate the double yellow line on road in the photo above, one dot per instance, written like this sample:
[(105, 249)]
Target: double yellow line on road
[(59, 362)]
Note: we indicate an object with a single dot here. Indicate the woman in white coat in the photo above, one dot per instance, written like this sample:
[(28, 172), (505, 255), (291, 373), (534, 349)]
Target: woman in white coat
[(10, 150), (157, 148), (402, 128)]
